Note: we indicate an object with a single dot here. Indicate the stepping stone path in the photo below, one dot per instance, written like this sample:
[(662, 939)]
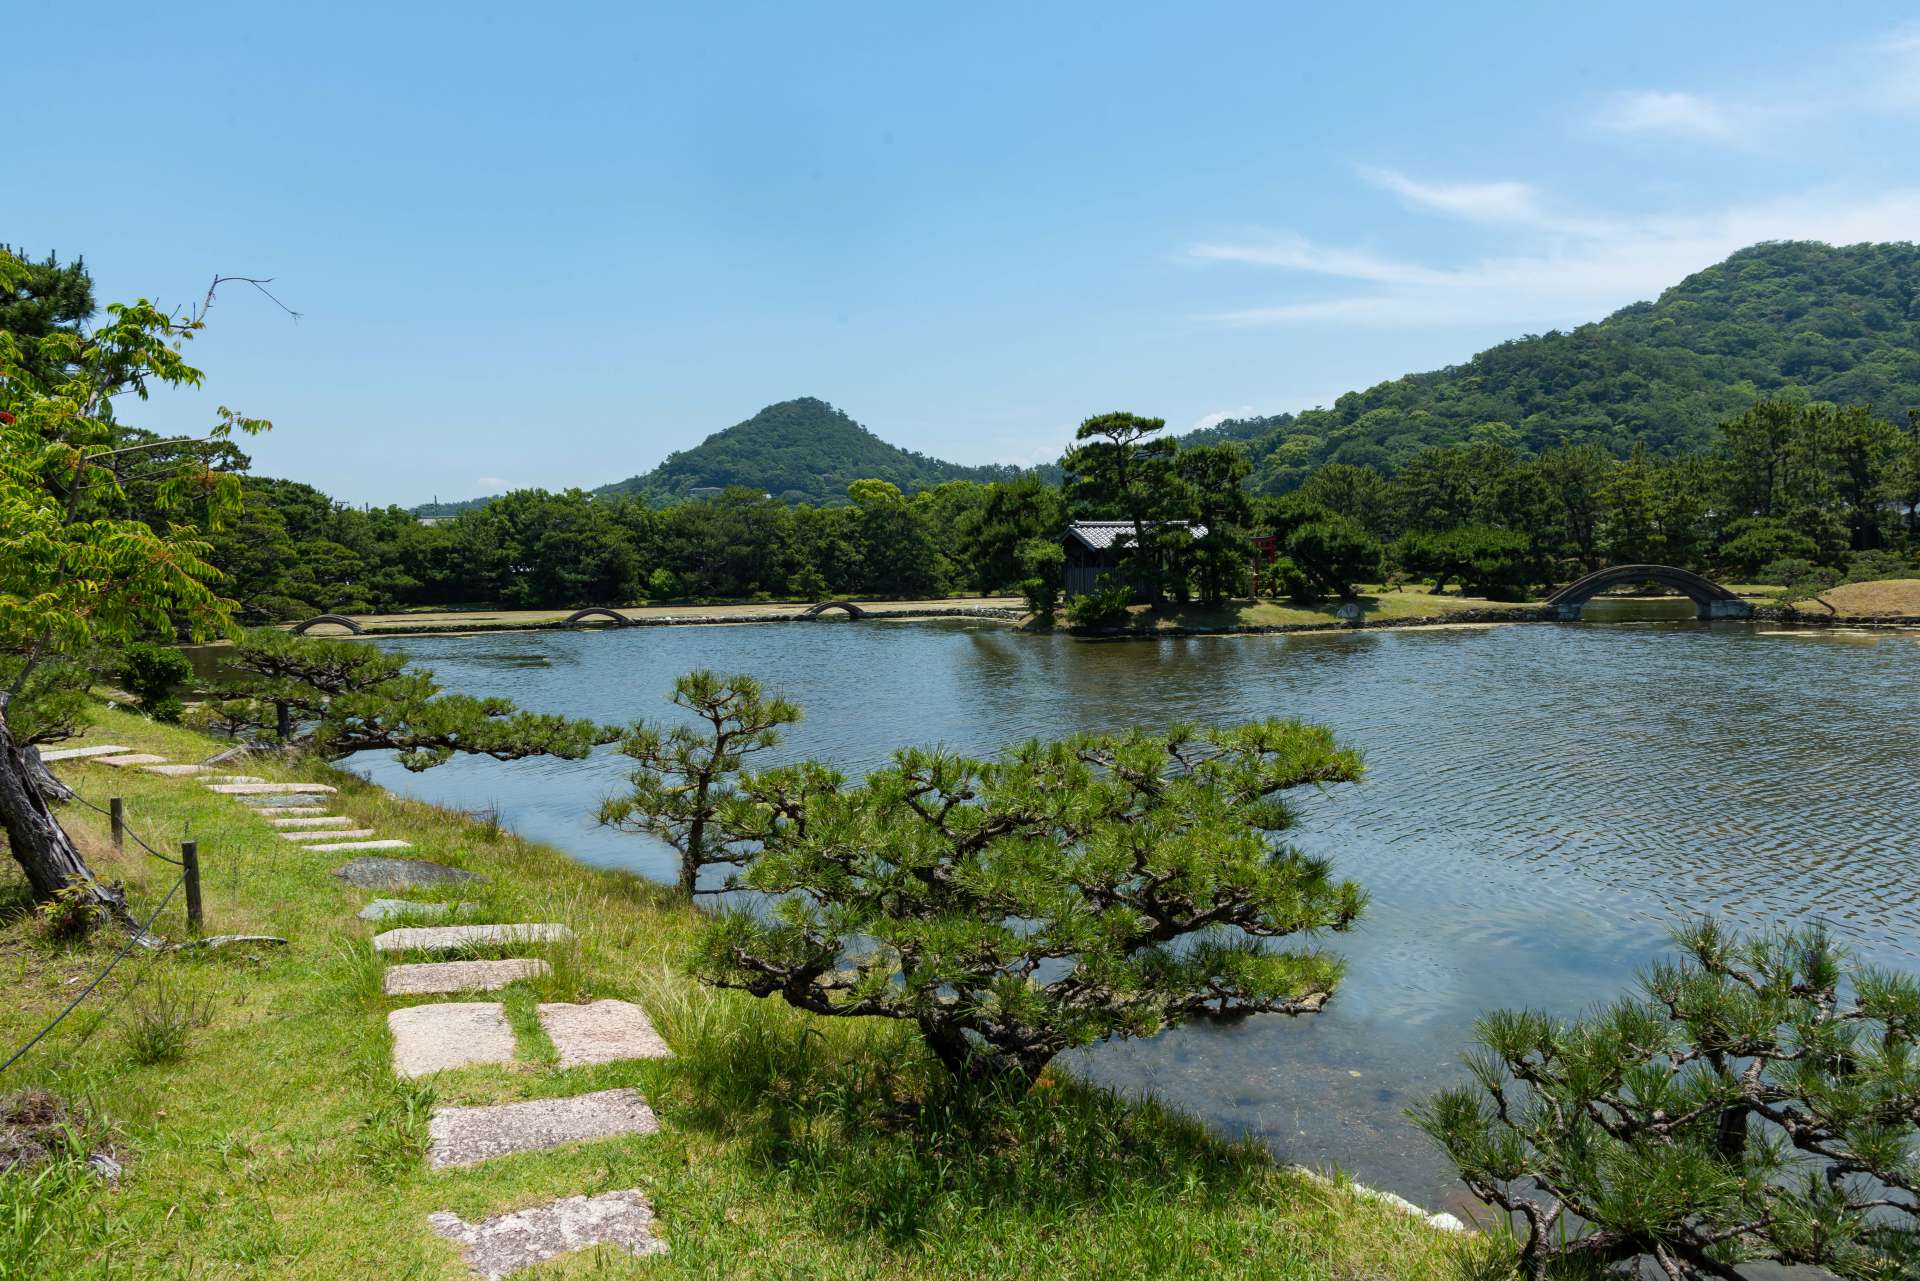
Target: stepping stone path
[(436, 978), (444, 1036), (498, 1247), (401, 873), (467, 1136), (267, 789), (81, 753), (602, 1032), (447, 938), (134, 758), (436, 1038), (175, 771), (383, 908)]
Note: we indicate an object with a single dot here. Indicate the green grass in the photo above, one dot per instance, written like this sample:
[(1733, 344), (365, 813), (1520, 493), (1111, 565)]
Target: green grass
[(273, 1141)]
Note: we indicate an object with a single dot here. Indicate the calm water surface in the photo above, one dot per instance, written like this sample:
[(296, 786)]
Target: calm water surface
[(1541, 803)]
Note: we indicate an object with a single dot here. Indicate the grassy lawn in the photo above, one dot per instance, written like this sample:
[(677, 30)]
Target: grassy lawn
[(278, 1143), (1380, 605)]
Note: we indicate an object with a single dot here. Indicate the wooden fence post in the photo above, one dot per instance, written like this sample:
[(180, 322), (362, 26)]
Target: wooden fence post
[(117, 810), (190, 865)]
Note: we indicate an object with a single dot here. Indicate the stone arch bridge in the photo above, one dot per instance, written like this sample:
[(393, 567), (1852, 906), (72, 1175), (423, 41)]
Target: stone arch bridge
[(338, 620), (1710, 599), (848, 607)]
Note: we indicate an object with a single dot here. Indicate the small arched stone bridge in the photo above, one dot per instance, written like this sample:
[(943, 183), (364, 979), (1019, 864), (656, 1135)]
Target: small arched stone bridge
[(1710, 599), (852, 610), (582, 615), (338, 620)]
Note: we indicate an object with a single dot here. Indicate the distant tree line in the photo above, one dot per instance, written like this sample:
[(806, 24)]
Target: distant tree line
[(1790, 490)]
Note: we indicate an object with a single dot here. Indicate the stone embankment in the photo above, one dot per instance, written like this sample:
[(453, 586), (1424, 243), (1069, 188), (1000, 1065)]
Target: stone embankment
[(693, 618)]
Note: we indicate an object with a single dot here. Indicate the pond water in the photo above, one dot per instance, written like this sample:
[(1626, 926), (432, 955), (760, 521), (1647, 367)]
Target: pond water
[(1541, 804)]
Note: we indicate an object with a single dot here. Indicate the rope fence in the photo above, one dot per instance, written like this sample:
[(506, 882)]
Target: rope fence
[(189, 878)]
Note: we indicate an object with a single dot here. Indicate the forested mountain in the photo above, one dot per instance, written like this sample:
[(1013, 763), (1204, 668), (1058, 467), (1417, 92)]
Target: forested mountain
[(1795, 318), (797, 451)]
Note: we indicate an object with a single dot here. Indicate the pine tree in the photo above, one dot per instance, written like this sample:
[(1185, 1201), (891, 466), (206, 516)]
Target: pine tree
[(1759, 1100)]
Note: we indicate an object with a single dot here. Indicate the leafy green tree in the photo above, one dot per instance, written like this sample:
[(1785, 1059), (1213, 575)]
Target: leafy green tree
[(1044, 561), (343, 697), (896, 549), (1759, 1100), (1061, 894), (685, 775), (989, 537), (1334, 553), (1120, 468), (1760, 540), (1213, 484), (38, 299), (1578, 477), (76, 576), (1495, 563)]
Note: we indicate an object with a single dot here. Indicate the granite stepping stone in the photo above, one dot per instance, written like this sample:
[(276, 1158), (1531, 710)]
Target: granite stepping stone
[(175, 771), (436, 1038), (401, 873), (447, 938), (435, 978), (327, 834), (239, 778), (266, 789), (81, 753), (134, 758), (382, 909), (503, 1245), (361, 845), (467, 1136), (313, 820), (601, 1032), (264, 810)]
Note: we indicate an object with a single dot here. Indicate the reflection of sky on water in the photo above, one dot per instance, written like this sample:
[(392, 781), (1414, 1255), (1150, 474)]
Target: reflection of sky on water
[(1540, 803)]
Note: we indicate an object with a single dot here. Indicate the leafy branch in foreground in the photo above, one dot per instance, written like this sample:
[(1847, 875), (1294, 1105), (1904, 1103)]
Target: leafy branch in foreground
[(77, 574), (1760, 1100), (344, 697), (685, 774), (1106, 885)]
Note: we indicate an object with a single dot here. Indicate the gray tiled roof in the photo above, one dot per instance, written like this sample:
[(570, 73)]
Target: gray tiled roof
[(1102, 534)]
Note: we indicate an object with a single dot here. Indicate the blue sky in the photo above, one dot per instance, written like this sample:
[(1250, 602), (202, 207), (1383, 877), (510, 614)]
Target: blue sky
[(548, 244)]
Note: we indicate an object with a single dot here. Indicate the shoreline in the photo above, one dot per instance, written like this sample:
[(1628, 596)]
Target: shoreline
[(1018, 620), (721, 1206)]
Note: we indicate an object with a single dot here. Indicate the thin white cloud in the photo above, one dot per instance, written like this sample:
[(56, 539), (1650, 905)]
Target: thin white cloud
[(1671, 112), (1565, 278), (491, 482), (1493, 202), (1876, 77), (1296, 253)]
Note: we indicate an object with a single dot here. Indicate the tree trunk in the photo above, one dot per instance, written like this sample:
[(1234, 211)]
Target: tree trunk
[(52, 862), (56, 792)]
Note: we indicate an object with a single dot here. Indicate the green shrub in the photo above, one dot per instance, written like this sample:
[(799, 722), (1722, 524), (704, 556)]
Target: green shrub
[(1872, 566), (1101, 608), (151, 674)]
